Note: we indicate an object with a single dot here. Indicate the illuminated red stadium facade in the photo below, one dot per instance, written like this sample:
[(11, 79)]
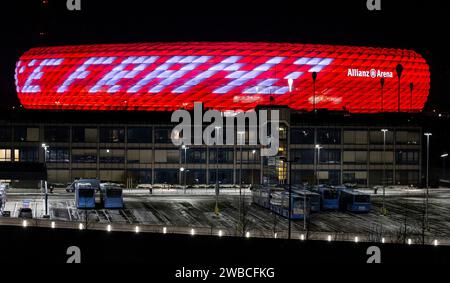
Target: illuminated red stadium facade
[(169, 76)]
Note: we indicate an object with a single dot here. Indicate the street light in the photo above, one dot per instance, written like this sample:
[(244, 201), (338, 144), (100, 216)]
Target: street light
[(428, 165), (399, 70), (217, 134), (384, 169), (443, 156), (314, 77), (318, 147), (45, 147), (382, 94), (241, 135), (254, 159), (289, 162), (185, 165)]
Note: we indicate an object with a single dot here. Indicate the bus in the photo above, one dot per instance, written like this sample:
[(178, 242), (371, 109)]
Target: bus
[(111, 196), (329, 198), (84, 196), (354, 201), (261, 196), (312, 198), (279, 203)]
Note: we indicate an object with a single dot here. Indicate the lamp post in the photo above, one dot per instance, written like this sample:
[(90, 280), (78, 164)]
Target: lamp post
[(411, 86), (399, 70), (254, 159), (314, 77), (45, 147), (289, 162), (384, 169), (318, 147), (217, 133), (427, 180), (382, 94), (443, 156), (185, 148), (241, 135)]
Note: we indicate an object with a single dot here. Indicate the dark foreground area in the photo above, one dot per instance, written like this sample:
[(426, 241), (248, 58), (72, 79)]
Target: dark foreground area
[(165, 254)]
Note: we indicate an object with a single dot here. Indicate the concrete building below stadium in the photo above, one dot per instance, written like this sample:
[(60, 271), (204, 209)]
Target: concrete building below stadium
[(136, 148)]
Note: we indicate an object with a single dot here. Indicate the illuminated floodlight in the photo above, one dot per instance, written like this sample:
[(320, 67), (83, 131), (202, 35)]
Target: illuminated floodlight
[(356, 239), (24, 223), (247, 234), (53, 225), (108, 228), (329, 238), (136, 229), (192, 232), (220, 233), (164, 230), (302, 237), (81, 226)]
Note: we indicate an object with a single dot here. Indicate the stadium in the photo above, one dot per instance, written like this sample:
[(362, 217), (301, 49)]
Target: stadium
[(103, 111)]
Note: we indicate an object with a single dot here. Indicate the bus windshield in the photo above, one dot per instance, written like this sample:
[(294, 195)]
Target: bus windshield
[(362, 198), (85, 193), (114, 192)]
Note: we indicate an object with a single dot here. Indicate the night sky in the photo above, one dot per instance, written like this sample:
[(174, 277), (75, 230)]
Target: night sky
[(419, 25)]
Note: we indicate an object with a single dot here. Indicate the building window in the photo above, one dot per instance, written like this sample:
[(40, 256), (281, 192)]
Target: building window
[(5, 155), (330, 156), (140, 176), (82, 134), (355, 157), (195, 176), (377, 177), (225, 155), (167, 156), (24, 134), (225, 176), (407, 157), (139, 135), (248, 156), (56, 134), (330, 177), (141, 156), (355, 137), (5, 134), (407, 177), (194, 155), (58, 155), (303, 156), (112, 156), (328, 136), (302, 136), (166, 176), (377, 137), (355, 177), (84, 155), (112, 135), (407, 137), (28, 154), (303, 177), (377, 157), (163, 134)]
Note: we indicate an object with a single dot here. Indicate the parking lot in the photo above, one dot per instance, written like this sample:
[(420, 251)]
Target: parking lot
[(405, 208)]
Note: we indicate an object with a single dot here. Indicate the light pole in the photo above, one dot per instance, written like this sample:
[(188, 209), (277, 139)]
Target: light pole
[(399, 70), (411, 86), (384, 169), (289, 162), (254, 160), (241, 134), (382, 94), (318, 147), (185, 165), (217, 133), (443, 156), (314, 77), (45, 147), (427, 180)]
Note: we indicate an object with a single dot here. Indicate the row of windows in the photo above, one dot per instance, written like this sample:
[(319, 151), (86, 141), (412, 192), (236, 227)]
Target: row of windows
[(161, 176), (163, 135), (334, 136)]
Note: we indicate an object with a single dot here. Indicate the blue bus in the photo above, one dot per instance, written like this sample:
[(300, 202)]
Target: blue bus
[(279, 203), (312, 198), (354, 201), (329, 198), (84, 196), (111, 196), (261, 196)]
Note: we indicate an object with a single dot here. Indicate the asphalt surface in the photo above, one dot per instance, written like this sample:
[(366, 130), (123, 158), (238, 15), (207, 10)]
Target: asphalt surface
[(405, 209)]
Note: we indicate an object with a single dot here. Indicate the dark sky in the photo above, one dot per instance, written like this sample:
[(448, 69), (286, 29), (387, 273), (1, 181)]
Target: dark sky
[(419, 25)]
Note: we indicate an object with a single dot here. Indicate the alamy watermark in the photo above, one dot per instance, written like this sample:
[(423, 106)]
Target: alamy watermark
[(73, 5), (373, 5), (261, 130)]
